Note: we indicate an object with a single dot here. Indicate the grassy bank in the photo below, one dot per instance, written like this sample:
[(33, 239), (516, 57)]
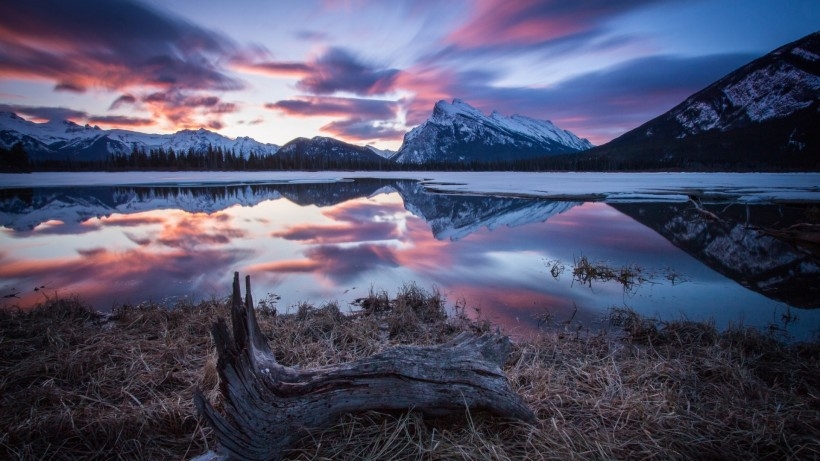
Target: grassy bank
[(76, 385)]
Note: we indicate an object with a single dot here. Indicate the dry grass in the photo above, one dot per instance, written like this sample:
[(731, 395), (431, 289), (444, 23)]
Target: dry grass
[(74, 386)]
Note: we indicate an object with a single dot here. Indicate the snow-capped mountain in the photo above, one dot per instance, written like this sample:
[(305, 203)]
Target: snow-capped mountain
[(66, 139), (765, 113), (457, 132), (322, 152), (384, 153)]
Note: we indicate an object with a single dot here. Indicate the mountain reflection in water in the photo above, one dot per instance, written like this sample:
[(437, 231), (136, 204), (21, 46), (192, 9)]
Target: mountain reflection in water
[(338, 241)]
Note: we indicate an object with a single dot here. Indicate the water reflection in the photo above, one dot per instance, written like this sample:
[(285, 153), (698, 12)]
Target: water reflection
[(338, 241)]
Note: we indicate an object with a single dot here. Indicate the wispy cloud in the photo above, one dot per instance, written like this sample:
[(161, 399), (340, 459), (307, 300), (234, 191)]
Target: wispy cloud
[(310, 106), (505, 24), (186, 110), (113, 45), (118, 46), (333, 70), (360, 119), (360, 129), (119, 120), (45, 113), (77, 116)]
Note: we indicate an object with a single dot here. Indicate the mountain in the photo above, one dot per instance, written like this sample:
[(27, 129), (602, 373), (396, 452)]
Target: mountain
[(458, 133), (384, 153), (321, 152), (763, 115), (60, 140)]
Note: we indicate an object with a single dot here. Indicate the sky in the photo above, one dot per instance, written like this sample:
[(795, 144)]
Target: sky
[(367, 71)]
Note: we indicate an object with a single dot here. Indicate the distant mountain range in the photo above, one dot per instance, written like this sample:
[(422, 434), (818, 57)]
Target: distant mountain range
[(455, 133), (60, 140), (763, 116)]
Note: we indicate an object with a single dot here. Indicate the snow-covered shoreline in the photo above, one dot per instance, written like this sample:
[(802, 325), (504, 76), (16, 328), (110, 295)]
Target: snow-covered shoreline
[(743, 187)]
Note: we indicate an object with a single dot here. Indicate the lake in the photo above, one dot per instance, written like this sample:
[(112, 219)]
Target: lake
[(726, 248)]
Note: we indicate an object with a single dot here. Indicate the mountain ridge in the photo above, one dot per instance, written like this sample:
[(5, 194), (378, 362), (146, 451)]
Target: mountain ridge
[(59, 139), (458, 132), (762, 115)]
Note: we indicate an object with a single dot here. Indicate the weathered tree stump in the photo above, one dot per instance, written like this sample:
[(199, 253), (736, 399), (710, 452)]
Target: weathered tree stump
[(269, 406)]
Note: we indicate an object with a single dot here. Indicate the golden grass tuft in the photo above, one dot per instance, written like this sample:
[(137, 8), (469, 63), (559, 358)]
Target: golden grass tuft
[(77, 385)]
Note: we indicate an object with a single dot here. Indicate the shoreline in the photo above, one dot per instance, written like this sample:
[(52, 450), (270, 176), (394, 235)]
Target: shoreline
[(88, 387)]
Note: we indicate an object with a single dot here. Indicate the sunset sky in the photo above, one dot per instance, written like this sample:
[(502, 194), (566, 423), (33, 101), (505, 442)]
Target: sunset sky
[(367, 71)]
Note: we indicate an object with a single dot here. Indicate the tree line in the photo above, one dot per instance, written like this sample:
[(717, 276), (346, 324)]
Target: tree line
[(16, 159), (218, 159)]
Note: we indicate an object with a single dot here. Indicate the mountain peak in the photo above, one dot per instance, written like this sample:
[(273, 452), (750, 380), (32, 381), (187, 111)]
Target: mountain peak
[(458, 132), (444, 110), (763, 115)]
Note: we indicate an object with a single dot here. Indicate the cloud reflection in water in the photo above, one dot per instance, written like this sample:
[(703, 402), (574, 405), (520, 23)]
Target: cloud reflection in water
[(317, 243)]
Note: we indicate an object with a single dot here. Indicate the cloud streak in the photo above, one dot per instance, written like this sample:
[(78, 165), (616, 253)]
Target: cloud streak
[(113, 45), (334, 70), (502, 24), (360, 119), (121, 46), (77, 116)]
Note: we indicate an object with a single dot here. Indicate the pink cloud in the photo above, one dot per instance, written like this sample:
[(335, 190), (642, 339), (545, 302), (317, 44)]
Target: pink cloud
[(499, 23), (361, 119), (334, 70), (89, 45), (120, 121)]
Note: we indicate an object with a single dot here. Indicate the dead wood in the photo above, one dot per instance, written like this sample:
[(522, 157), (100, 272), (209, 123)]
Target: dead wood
[(270, 406)]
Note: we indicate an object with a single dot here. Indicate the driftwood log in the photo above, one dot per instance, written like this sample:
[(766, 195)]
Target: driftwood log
[(269, 406)]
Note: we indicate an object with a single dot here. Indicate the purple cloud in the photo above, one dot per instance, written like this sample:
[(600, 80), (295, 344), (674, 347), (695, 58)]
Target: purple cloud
[(125, 99), (120, 120), (335, 107), (497, 24), (45, 113), (359, 129), (362, 119), (70, 87), (114, 45), (339, 70), (333, 71)]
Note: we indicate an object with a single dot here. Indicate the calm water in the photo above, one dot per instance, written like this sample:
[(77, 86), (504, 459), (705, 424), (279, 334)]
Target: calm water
[(338, 241)]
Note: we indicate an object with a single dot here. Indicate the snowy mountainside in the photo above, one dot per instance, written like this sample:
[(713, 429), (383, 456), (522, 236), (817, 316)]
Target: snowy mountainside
[(384, 153), (762, 116), (458, 132), (61, 139), (779, 84)]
